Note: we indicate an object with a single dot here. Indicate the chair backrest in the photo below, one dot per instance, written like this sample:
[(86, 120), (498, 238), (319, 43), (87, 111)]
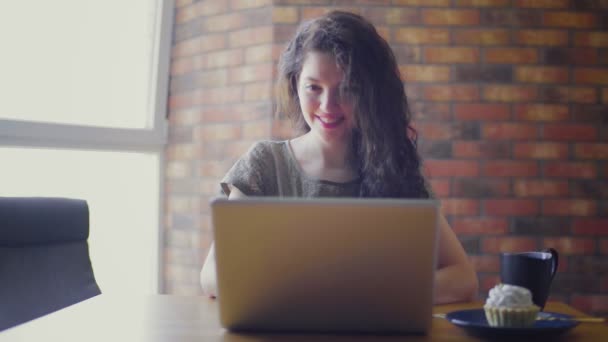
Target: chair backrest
[(44, 257)]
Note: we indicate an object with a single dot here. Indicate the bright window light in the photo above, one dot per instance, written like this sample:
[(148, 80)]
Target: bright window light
[(122, 191), (83, 62)]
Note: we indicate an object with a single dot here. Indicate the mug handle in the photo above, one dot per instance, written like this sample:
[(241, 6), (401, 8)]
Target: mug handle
[(554, 259)]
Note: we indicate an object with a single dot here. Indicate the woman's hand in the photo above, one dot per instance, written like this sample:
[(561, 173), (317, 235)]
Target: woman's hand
[(208, 277)]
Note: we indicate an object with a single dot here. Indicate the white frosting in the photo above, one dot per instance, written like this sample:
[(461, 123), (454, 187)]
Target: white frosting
[(510, 296)]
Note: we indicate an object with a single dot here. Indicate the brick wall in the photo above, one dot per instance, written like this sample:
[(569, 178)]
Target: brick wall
[(510, 99)]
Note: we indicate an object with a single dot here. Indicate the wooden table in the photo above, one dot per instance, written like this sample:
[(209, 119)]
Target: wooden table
[(174, 318)]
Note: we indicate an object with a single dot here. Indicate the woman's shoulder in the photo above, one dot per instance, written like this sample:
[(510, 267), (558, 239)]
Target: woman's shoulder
[(265, 149)]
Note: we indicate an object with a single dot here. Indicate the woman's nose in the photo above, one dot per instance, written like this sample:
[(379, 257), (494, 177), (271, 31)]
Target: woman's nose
[(330, 101)]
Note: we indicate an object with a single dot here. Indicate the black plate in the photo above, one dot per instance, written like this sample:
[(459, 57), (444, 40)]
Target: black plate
[(475, 323)]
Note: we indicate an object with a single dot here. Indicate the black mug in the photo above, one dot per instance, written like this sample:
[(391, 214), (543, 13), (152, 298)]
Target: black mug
[(532, 270)]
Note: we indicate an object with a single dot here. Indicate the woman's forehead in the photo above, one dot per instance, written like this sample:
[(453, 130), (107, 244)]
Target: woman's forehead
[(321, 66)]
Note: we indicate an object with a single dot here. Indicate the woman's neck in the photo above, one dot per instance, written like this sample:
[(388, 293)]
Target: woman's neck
[(323, 160), (333, 155)]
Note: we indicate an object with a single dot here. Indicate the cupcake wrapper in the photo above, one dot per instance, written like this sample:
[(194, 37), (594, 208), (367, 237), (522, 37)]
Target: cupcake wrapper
[(511, 317)]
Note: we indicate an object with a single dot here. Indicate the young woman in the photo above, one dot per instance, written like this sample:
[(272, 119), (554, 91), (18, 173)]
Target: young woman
[(339, 82)]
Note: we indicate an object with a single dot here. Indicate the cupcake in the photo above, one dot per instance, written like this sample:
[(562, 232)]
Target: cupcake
[(510, 306)]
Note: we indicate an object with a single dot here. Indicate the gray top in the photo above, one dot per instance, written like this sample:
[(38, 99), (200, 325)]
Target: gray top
[(270, 168)]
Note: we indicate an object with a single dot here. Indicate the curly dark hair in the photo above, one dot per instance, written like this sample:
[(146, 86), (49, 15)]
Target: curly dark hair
[(384, 143)]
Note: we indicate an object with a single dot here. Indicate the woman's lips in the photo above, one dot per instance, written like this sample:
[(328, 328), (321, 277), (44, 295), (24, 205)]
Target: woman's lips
[(330, 121)]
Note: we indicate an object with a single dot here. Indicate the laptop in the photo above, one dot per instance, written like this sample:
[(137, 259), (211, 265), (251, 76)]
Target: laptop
[(332, 265)]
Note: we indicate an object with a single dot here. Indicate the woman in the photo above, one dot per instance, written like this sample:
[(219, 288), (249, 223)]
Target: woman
[(339, 82)]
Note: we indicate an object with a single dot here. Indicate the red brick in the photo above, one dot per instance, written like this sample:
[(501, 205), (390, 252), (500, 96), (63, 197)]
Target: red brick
[(225, 22), (604, 246), (542, 112), (422, 36), (510, 131), (256, 130), (246, 4), (452, 168), (483, 3), (511, 55), (501, 93), (590, 226), (285, 15), (283, 33), (570, 56), (485, 263), (570, 95), (450, 17), (574, 207), (251, 73), (596, 39), (257, 91), (497, 245), (541, 150), (591, 151), (182, 151), (464, 93), (570, 19), (570, 170), (509, 168), (541, 37), (482, 111), (485, 37), (187, 13), (542, 74), (440, 187), (425, 73), (483, 150), (213, 168), (511, 207), (591, 76), (480, 225), (251, 36), (392, 15), (435, 131), (590, 303), (178, 169), (481, 188), (427, 3), (542, 3), (258, 54), (218, 132), (430, 111), (209, 42), (185, 117), (460, 207), (574, 132), (182, 66), (224, 58), (182, 3), (540, 188), (570, 245), (451, 55)]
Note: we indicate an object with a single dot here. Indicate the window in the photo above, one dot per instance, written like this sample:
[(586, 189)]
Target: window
[(83, 116)]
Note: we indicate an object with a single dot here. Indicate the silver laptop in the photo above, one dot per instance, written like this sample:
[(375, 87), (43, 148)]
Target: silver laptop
[(325, 264)]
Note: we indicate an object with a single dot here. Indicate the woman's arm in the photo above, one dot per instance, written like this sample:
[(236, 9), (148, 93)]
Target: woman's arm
[(455, 279), (208, 275)]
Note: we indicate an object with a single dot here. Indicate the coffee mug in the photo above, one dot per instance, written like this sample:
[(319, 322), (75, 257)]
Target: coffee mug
[(532, 270)]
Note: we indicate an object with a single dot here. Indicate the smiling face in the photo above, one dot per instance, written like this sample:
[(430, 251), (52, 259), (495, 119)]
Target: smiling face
[(328, 115)]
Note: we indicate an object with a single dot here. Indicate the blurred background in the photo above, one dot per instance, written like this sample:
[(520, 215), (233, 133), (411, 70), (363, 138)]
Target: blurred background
[(140, 107)]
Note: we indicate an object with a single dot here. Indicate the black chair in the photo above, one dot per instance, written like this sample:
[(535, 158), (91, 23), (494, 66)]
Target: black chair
[(44, 257)]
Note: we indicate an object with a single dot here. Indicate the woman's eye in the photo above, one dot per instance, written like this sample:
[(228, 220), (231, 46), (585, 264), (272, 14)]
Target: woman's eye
[(312, 87)]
